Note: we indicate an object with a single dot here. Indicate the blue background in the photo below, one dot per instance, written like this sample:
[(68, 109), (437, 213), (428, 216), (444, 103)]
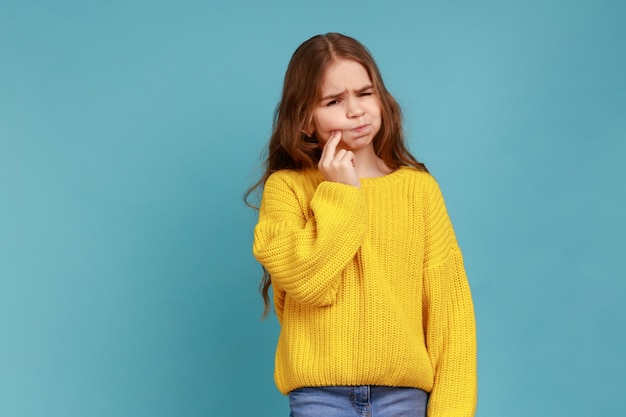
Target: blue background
[(129, 131)]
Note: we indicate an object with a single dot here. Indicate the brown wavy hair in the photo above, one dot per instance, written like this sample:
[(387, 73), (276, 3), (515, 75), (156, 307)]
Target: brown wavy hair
[(290, 147)]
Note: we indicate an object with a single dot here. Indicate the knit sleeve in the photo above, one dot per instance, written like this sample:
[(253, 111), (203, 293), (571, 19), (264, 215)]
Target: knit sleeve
[(448, 316), (305, 248)]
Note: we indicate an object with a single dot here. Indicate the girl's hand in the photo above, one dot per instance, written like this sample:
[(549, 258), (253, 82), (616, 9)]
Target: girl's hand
[(338, 165)]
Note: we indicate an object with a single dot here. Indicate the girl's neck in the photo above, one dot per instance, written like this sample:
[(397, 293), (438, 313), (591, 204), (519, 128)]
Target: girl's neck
[(369, 165)]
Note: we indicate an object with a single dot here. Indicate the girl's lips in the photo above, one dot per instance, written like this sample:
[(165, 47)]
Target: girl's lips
[(360, 129)]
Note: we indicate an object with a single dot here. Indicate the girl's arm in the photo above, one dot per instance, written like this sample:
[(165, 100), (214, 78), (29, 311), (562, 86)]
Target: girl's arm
[(306, 253), (449, 317)]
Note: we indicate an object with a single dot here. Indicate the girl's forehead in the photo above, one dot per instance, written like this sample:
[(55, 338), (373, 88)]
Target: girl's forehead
[(344, 73)]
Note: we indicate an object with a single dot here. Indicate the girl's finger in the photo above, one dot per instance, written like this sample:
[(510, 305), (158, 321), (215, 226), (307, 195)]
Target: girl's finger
[(329, 149), (348, 156), (340, 154)]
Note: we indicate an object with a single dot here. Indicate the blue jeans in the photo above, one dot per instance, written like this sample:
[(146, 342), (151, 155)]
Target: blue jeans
[(359, 401)]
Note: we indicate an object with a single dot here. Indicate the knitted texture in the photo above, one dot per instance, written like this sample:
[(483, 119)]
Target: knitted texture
[(369, 286)]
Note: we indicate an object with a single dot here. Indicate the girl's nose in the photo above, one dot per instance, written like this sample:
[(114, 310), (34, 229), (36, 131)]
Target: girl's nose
[(354, 110)]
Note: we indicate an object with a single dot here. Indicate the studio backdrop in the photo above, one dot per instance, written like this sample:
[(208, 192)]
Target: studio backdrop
[(129, 131)]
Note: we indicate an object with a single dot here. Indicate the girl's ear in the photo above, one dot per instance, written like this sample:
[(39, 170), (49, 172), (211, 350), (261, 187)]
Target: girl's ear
[(308, 130), (309, 135)]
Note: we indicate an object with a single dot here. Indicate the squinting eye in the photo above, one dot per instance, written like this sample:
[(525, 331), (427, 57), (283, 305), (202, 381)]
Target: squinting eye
[(330, 103)]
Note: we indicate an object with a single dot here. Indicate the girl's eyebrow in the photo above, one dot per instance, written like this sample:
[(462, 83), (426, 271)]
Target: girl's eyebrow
[(335, 95)]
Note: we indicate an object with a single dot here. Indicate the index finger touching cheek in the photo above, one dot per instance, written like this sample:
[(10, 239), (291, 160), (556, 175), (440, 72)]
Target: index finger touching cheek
[(334, 139), (331, 144)]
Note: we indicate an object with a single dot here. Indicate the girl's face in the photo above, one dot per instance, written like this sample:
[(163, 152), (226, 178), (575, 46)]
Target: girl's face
[(349, 104)]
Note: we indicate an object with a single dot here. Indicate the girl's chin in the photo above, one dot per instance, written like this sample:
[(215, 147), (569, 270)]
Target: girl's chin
[(357, 141)]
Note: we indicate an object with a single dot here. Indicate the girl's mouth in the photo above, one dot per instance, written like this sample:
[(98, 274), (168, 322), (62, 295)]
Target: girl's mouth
[(360, 129)]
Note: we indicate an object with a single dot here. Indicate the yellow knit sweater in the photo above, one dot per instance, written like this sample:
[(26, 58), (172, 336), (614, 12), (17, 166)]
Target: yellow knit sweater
[(369, 286)]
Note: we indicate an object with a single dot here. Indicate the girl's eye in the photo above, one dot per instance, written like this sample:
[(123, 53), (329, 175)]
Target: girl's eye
[(367, 93), (331, 103)]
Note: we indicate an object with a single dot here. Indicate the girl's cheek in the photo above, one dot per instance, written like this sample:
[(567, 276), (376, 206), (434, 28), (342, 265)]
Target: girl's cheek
[(322, 137)]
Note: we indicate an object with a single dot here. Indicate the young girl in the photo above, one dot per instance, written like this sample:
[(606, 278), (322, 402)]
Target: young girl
[(368, 281)]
